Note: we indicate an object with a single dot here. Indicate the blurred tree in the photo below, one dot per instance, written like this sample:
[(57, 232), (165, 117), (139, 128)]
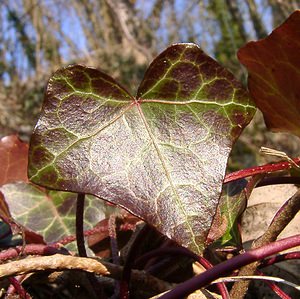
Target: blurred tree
[(119, 36)]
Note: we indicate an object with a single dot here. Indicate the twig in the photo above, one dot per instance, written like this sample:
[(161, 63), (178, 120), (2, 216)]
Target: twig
[(182, 251), (274, 287), (79, 225), (226, 267), (282, 218), (280, 258), (130, 260), (16, 286), (267, 168), (268, 279), (57, 262), (31, 249), (114, 249), (280, 154)]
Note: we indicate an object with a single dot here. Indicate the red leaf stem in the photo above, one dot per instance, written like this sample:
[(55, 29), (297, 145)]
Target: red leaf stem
[(280, 258), (267, 168), (275, 288), (17, 286), (31, 249), (236, 262), (182, 251)]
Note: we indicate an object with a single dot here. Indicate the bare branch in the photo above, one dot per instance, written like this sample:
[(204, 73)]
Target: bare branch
[(55, 262)]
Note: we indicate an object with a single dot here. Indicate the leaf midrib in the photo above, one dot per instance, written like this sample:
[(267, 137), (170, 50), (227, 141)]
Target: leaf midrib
[(161, 158)]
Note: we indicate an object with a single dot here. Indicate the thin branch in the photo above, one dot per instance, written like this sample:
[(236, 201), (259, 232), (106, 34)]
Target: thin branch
[(79, 224), (282, 218), (31, 249), (57, 262), (226, 267), (130, 260), (182, 251), (267, 168), (17, 287), (140, 278), (114, 249), (280, 258), (260, 278), (274, 287)]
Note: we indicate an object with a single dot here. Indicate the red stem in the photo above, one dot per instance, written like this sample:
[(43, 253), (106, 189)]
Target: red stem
[(280, 258), (182, 251), (275, 288), (31, 249), (258, 170), (17, 286), (236, 262)]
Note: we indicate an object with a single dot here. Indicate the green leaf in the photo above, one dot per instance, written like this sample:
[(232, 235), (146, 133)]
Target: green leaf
[(161, 155), (49, 213), (232, 205)]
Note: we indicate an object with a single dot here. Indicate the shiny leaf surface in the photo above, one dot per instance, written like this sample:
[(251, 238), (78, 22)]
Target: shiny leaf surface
[(162, 155)]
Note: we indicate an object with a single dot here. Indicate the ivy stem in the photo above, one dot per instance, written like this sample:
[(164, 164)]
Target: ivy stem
[(79, 225), (130, 260), (274, 287), (98, 292), (280, 258), (31, 249), (17, 287), (267, 168), (226, 267), (281, 219), (279, 180), (182, 251)]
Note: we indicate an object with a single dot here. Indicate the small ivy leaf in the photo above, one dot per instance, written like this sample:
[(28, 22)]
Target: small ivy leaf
[(30, 209), (232, 204), (273, 64), (162, 155), (13, 160), (49, 213), (16, 228)]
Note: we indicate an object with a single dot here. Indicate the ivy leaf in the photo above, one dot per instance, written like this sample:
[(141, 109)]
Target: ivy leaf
[(36, 210), (49, 213), (161, 155), (232, 204), (273, 64), (13, 160)]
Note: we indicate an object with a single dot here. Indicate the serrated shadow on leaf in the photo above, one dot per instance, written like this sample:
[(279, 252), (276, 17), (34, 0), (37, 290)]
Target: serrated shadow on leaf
[(161, 155)]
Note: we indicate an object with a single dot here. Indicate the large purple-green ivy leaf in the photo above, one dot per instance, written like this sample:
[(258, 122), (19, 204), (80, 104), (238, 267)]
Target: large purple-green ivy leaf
[(49, 213), (161, 155)]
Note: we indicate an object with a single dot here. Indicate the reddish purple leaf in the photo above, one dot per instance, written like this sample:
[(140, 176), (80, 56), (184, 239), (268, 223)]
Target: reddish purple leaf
[(13, 160), (273, 64)]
